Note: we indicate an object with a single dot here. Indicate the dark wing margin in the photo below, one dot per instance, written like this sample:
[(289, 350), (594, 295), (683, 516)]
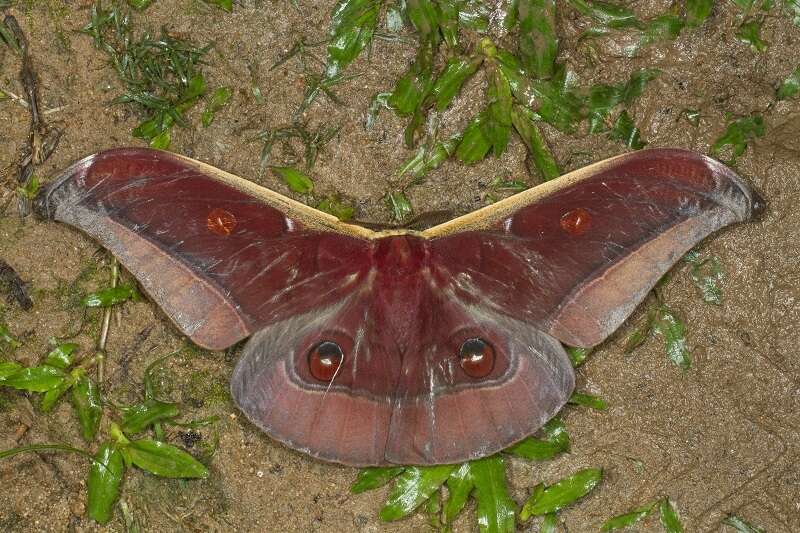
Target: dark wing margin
[(221, 256), (575, 256)]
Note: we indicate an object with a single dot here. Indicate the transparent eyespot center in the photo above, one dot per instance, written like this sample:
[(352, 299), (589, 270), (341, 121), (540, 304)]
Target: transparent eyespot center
[(576, 222), (324, 360), (221, 222), (477, 358)]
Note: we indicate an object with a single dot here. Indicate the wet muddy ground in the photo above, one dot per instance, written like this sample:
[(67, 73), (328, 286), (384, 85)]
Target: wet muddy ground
[(721, 437)]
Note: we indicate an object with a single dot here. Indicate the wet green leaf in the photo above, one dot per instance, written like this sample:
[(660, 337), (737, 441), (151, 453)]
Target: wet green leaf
[(138, 417), (641, 333), (474, 144), (738, 134), (51, 397), (87, 403), (352, 28), (495, 507), (110, 296), (740, 525), (414, 86), (790, 86), (399, 205), (793, 7), (538, 41), (474, 15), (538, 151), (163, 459), (225, 5), (629, 518), (448, 84), (497, 127), (549, 524), (105, 477), (697, 11), (577, 355), (374, 477), (162, 140), (8, 338), (334, 205), (294, 179), (62, 355), (8, 368), (563, 493), (668, 325), (219, 99), (30, 189), (662, 28), (36, 379), (606, 13), (556, 441), (669, 517), (428, 158), (706, 274), (139, 4), (587, 400), (635, 86), (412, 488), (459, 487), (625, 130), (750, 33)]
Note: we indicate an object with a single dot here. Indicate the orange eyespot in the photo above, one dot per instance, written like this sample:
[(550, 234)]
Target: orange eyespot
[(477, 358), (324, 360), (221, 222), (576, 222)]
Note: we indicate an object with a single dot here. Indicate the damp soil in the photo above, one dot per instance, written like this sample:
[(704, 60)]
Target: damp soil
[(721, 437)]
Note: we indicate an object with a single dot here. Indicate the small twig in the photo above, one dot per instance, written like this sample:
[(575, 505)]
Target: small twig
[(101, 343), (9, 277)]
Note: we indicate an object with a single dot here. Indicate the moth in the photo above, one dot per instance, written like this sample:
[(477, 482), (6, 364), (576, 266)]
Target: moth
[(398, 346)]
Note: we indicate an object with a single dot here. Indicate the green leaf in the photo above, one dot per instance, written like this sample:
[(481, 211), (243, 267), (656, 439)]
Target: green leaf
[(225, 5), (706, 274), (662, 28), (414, 86), (399, 205), (193, 90), (53, 395), (538, 41), (352, 27), (673, 330), (218, 100), (738, 134), (641, 333), (8, 368), (697, 11), (6, 337), (429, 158), (629, 518), (740, 525), (692, 116), (374, 477), (163, 459), (556, 441), (549, 524), (36, 379), (87, 403), (139, 4), (31, 189), (578, 355), (587, 400), (750, 33), (448, 84), (625, 130), (162, 140), (538, 151), (459, 487), (495, 507), (793, 7), (333, 205), (423, 15), (137, 418), (563, 493), (669, 517), (635, 86), (412, 488), (294, 179), (474, 15), (606, 13), (105, 477), (110, 296), (474, 145), (790, 86), (61, 355), (497, 126)]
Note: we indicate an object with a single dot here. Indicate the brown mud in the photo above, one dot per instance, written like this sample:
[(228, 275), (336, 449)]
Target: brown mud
[(721, 437)]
